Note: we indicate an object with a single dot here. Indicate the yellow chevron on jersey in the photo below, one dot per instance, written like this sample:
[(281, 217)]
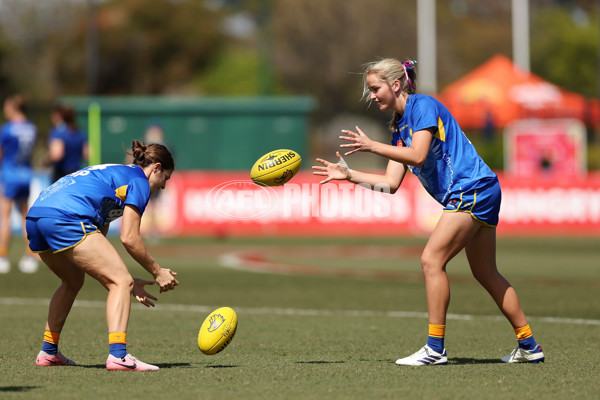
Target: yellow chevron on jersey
[(441, 131), (99, 192), (121, 192), (452, 164)]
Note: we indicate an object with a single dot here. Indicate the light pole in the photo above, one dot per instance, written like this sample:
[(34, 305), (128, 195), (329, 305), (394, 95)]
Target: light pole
[(520, 34), (91, 48), (426, 45)]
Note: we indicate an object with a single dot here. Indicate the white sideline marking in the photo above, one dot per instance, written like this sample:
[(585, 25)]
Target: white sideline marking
[(18, 301)]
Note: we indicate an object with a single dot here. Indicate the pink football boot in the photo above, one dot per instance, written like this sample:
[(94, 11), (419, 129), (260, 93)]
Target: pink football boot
[(128, 363), (52, 360)]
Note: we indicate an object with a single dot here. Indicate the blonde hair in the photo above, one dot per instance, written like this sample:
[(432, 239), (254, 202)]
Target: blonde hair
[(389, 70)]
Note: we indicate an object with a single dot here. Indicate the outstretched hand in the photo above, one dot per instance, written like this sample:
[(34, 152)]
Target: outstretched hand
[(339, 171), (359, 141), (140, 293)]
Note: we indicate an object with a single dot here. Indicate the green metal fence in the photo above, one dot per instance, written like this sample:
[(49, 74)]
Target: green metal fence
[(203, 133)]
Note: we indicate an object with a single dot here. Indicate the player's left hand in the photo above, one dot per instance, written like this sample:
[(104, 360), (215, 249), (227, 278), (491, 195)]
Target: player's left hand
[(359, 141), (140, 293)]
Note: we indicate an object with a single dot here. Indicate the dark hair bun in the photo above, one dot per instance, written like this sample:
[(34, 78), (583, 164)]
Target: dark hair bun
[(138, 150), (146, 154)]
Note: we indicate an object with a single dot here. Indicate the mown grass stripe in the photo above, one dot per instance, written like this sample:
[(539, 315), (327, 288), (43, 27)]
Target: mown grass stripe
[(19, 301)]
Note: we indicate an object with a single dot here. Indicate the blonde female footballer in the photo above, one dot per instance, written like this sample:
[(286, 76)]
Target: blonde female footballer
[(427, 140)]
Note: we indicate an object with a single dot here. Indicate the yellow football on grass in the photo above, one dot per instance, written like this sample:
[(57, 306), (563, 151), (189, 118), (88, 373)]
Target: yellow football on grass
[(217, 331), (276, 167)]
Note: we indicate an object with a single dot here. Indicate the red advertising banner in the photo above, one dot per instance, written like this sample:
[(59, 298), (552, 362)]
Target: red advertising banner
[(535, 147), (229, 204)]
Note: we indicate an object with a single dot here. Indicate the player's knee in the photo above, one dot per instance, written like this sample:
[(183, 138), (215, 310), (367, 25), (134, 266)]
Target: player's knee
[(128, 283), (75, 283), (430, 264), (487, 276), (480, 276), (72, 286), (124, 281)]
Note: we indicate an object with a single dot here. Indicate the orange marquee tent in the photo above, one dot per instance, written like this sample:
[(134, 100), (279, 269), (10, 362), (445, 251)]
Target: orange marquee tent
[(501, 90)]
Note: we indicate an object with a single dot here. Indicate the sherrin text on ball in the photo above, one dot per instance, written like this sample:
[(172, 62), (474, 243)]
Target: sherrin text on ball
[(276, 167)]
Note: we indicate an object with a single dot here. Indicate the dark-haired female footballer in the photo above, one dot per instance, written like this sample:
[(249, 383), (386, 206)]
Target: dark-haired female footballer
[(67, 226), (427, 141), (67, 144)]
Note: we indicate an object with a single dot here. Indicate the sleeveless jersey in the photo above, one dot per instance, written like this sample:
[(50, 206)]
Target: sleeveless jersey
[(99, 192), (452, 164)]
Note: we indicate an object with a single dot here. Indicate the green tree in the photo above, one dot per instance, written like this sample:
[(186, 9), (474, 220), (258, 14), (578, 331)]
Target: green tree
[(144, 47), (319, 46), (564, 49), (232, 72), (469, 32), (6, 87)]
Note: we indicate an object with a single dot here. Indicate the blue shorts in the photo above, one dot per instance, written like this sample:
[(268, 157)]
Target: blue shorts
[(482, 203), (57, 234), (16, 190)]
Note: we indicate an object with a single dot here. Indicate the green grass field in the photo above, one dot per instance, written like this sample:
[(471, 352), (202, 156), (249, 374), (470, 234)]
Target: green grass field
[(325, 319)]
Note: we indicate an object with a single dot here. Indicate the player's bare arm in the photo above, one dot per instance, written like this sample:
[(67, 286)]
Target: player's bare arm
[(392, 179), (133, 243), (414, 155), (56, 151)]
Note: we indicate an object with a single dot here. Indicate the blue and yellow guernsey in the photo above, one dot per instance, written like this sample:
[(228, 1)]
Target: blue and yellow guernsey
[(99, 192), (452, 165), (16, 141)]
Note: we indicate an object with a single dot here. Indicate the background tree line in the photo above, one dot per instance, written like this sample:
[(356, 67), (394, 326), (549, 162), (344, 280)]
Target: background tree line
[(274, 47)]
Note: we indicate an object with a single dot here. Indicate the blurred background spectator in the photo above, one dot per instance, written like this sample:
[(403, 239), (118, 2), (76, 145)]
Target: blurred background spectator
[(17, 137), (67, 145)]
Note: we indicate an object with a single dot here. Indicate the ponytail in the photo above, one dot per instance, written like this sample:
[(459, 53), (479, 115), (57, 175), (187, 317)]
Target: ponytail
[(389, 70)]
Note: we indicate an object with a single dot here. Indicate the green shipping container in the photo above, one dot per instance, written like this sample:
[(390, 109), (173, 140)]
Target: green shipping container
[(202, 132)]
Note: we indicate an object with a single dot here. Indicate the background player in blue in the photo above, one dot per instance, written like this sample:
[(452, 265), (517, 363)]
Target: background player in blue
[(17, 138), (67, 145), (427, 140), (67, 226)]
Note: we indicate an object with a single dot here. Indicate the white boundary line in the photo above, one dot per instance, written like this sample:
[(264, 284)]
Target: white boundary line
[(19, 301)]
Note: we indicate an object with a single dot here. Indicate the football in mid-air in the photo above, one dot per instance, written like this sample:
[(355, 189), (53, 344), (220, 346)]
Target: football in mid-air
[(217, 331), (276, 167)]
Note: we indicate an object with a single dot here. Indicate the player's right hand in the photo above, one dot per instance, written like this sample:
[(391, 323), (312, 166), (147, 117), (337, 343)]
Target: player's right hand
[(165, 279), (337, 171)]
